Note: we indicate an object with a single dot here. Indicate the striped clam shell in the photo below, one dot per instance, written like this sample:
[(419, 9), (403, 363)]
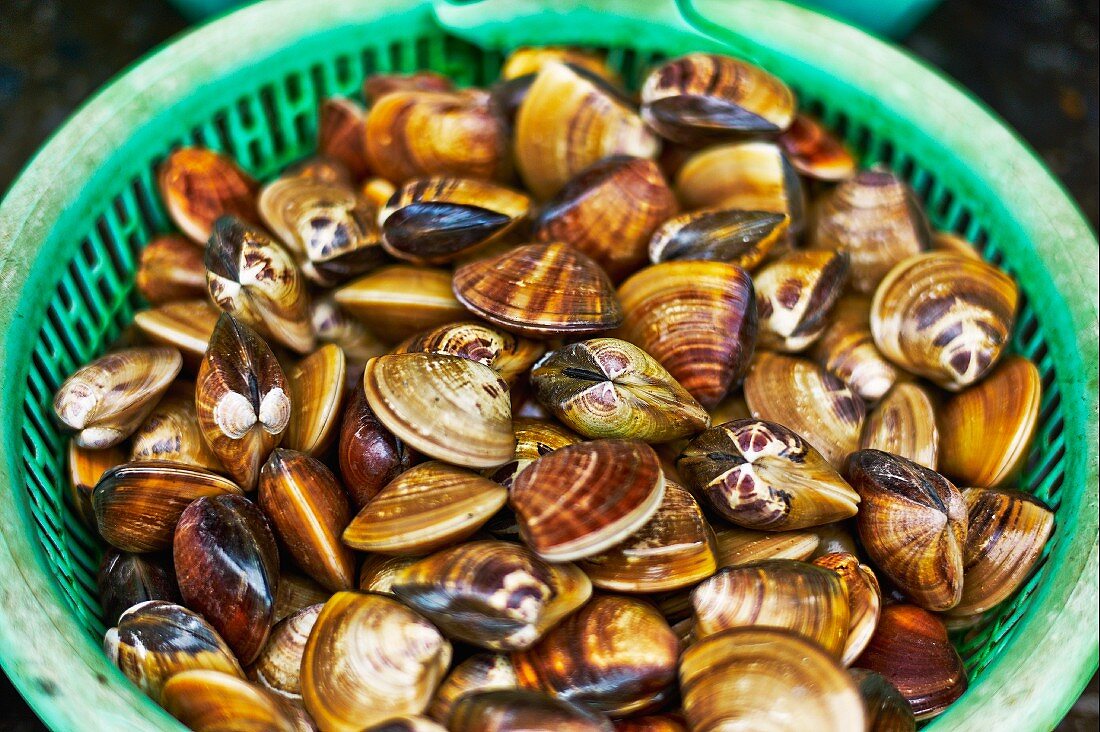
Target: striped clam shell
[(736, 546), (186, 325), (846, 349), (198, 186), (507, 710), (508, 355), (886, 709), (815, 152), (864, 600), (904, 423), (794, 296), (400, 300), (729, 235), (534, 438), (480, 672)]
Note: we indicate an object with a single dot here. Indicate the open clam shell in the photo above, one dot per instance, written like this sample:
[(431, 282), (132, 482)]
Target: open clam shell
[(317, 393), (794, 295), (198, 186), (904, 423), (729, 235), (400, 300)]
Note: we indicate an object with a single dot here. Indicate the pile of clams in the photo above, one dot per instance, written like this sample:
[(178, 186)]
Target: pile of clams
[(551, 406)]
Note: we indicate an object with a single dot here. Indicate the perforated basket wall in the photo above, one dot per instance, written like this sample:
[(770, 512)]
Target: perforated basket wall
[(260, 107)]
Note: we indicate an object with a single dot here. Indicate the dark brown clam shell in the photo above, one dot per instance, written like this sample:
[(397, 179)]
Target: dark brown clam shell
[(884, 706), (509, 710), (370, 455), (126, 579), (739, 237)]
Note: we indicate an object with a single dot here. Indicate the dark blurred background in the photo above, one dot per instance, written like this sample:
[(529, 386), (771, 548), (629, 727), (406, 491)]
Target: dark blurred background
[(1032, 61)]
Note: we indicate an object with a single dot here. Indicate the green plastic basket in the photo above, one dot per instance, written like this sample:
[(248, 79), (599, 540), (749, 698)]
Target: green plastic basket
[(72, 227)]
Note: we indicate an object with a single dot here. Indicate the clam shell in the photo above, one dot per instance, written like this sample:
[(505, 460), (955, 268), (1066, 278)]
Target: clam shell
[(815, 152), (912, 522), (278, 667), (534, 438), (126, 579), (539, 290), (885, 708), (212, 701), (508, 355), (370, 455), (317, 393), (407, 723), (656, 723), (106, 400), (481, 672), (944, 316), (832, 538), (323, 168), (945, 241), (509, 710), (582, 499), (377, 572), (846, 349), (198, 186), (86, 467), (185, 325), (331, 324), (735, 547), (794, 295), (400, 300), (447, 407), (341, 134), (378, 191), (296, 592), (698, 319), (377, 86), (904, 423), (527, 60), (171, 432), (367, 659), (171, 269), (864, 600), (729, 235), (427, 507)]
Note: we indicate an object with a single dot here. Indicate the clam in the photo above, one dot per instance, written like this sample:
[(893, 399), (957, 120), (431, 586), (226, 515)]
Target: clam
[(987, 429), (377, 572), (673, 550), (514, 710), (766, 678), (227, 565), (568, 120), (308, 511), (911, 650), (729, 235), (278, 667), (322, 168), (296, 592), (698, 319), (541, 291), (775, 593), (415, 134), (185, 325), (171, 269), (86, 467), (212, 701), (378, 191), (480, 672), (945, 317), (407, 723), (583, 499), (331, 228), (655, 723), (846, 349), (198, 186), (317, 393), (437, 220), (864, 600), (137, 505), (944, 241), (242, 399), (815, 152), (493, 594), (811, 402), (1006, 533), (703, 97), (883, 705), (616, 655), (447, 407), (331, 324), (735, 546), (912, 522), (400, 300), (527, 60), (904, 423), (794, 295), (370, 455), (126, 579), (253, 278), (534, 438), (749, 176), (106, 400), (367, 659), (609, 211), (508, 355), (761, 475), (377, 86), (342, 135), (155, 640), (427, 507), (606, 387), (876, 219), (832, 538), (171, 432)]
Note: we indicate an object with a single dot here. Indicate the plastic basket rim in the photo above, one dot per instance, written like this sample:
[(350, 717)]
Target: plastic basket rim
[(1059, 232)]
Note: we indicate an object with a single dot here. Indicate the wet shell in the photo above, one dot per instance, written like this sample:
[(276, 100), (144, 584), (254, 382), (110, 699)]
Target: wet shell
[(278, 666), (911, 651), (944, 241), (508, 355), (876, 219), (137, 505), (341, 134), (814, 404), (86, 467), (321, 168), (400, 300), (481, 672), (171, 268), (534, 438), (606, 387), (156, 640), (106, 400), (834, 538), (674, 549), (616, 655), (729, 235), (583, 499), (736, 547), (541, 291), (904, 423), (698, 319), (609, 211), (761, 475), (493, 594), (704, 97), (242, 399), (436, 220), (377, 572), (185, 325), (864, 600), (794, 296), (512, 710), (815, 152), (765, 678), (447, 407), (886, 709), (527, 60), (567, 121), (407, 723), (297, 592), (213, 701), (369, 454), (317, 393), (332, 324), (988, 428), (661, 723), (255, 279), (125, 580), (912, 522), (377, 86), (944, 316), (846, 349), (171, 432), (427, 507), (198, 186), (370, 658), (308, 511)]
